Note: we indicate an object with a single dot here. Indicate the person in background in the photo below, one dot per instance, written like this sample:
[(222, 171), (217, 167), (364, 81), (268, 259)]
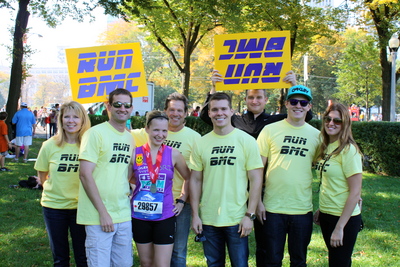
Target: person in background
[(5, 143), (53, 122), (25, 128), (58, 169), (340, 171), (195, 112), (153, 172), (90, 111)]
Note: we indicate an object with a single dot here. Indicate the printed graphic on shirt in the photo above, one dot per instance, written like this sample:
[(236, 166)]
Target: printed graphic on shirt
[(68, 166), (120, 158), (295, 148), (223, 159), (173, 144)]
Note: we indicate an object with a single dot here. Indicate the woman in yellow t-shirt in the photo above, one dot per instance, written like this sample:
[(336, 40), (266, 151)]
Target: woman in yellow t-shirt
[(340, 169), (58, 169)]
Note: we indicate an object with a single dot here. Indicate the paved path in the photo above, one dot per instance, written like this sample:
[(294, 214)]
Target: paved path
[(40, 133)]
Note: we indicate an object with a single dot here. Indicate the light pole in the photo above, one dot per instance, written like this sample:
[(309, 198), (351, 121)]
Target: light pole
[(393, 46)]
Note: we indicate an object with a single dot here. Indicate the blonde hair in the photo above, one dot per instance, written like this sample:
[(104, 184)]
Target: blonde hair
[(61, 137), (345, 135)]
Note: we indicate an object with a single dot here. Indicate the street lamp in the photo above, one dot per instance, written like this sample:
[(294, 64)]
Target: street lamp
[(393, 46)]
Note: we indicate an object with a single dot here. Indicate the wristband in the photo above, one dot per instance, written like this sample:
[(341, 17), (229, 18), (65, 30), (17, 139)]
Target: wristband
[(178, 200)]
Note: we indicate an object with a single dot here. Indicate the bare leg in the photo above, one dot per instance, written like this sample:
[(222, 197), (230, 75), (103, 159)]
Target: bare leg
[(26, 151), (162, 255), (146, 254), (17, 150)]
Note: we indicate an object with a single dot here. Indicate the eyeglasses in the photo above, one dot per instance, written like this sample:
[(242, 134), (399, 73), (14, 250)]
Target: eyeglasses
[(294, 102), (336, 121), (120, 104)]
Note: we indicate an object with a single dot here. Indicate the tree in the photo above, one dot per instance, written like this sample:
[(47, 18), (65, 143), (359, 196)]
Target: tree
[(358, 70), (52, 13), (385, 15)]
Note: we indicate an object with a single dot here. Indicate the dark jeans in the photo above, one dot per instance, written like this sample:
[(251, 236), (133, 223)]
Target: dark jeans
[(53, 129), (340, 256), (58, 221), (298, 228), (260, 243), (214, 246)]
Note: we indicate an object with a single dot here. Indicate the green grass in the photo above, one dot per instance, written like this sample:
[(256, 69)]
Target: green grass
[(23, 238)]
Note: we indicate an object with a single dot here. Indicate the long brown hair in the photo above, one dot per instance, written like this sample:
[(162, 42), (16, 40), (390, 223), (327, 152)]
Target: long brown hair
[(345, 135), (61, 137)]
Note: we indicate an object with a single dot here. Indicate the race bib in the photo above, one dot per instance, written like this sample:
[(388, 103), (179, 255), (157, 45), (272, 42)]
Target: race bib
[(147, 205)]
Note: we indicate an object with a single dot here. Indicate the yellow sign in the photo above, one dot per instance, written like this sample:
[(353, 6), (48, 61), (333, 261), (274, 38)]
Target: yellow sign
[(252, 60), (96, 71)]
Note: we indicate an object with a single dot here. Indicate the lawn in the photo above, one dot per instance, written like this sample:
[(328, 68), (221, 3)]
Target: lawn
[(23, 238)]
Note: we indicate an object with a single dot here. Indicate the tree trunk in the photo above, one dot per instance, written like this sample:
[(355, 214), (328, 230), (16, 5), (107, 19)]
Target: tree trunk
[(14, 92), (386, 72)]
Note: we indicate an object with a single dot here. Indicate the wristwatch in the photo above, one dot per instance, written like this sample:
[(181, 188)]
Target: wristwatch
[(252, 216), (178, 200)]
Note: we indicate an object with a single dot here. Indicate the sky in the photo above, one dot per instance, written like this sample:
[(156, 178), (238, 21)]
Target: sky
[(70, 34)]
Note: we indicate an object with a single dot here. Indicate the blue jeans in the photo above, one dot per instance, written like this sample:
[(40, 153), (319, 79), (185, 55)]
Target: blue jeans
[(214, 246), (299, 230), (58, 222), (340, 256), (181, 237)]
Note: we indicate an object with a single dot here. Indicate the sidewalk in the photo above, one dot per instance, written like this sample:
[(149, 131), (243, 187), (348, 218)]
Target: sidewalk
[(40, 133)]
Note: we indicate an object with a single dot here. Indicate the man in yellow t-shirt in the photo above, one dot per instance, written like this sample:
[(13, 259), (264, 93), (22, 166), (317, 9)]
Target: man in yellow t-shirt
[(183, 139), (105, 156), (223, 163), (288, 147)]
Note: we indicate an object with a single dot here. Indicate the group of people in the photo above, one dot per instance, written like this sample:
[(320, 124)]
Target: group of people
[(108, 185)]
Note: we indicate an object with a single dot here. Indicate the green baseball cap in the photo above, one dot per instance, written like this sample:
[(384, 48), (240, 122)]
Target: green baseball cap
[(299, 90)]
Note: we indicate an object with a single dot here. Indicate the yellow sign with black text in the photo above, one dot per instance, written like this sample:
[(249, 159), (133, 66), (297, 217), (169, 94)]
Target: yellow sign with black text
[(96, 71), (252, 60)]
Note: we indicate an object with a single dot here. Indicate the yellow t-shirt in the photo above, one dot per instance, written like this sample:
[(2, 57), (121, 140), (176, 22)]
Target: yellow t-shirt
[(224, 160), (60, 191), (334, 189), (140, 136), (112, 151), (290, 151)]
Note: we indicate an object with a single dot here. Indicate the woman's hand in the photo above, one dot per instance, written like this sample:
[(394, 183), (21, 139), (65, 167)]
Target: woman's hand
[(337, 238), (178, 208)]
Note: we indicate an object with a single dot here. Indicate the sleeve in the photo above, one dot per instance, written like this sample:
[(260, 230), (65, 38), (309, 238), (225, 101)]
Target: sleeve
[(351, 162), (262, 142), (204, 111), (195, 159), (90, 146), (253, 158), (43, 158)]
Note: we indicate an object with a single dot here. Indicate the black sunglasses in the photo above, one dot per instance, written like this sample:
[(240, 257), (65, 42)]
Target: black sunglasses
[(336, 121), (119, 104), (199, 238), (294, 102)]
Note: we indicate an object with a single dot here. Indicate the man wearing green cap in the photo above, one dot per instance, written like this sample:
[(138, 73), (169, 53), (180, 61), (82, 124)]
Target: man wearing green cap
[(288, 147)]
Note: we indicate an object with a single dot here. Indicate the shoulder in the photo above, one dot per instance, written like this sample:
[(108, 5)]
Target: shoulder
[(190, 131)]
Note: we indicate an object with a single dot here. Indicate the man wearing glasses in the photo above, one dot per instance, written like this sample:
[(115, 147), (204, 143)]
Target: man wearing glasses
[(105, 160), (288, 148)]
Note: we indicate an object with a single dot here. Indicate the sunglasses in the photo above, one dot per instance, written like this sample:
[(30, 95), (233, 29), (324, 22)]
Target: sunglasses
[(336, 121), (199, 238), (119, 104), (294, 102)]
